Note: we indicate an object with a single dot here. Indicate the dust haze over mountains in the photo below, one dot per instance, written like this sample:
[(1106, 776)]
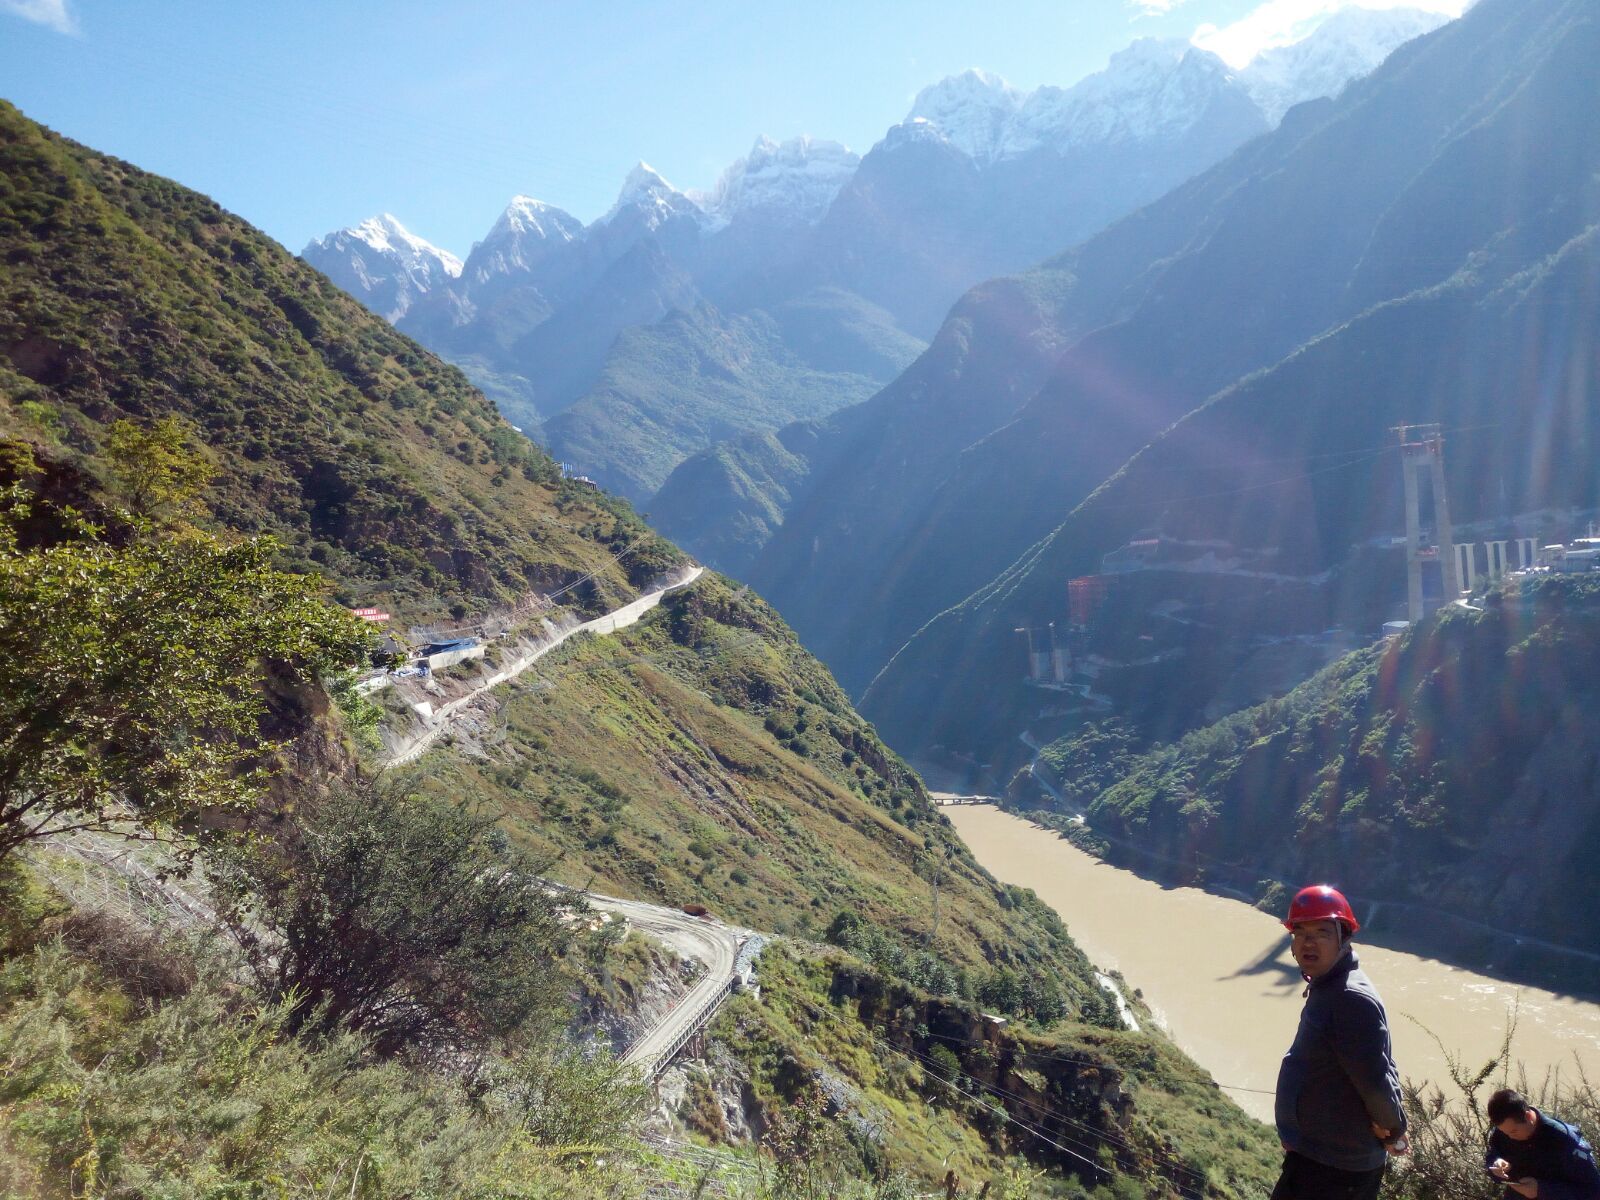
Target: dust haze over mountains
[(808, 277)]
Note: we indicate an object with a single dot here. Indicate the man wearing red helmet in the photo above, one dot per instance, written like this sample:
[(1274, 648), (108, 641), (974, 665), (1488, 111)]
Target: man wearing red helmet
[(1338, 1101)]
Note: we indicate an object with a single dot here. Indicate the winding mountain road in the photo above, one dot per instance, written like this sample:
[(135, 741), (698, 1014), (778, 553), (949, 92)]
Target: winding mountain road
[(411, 749), (711, 942)]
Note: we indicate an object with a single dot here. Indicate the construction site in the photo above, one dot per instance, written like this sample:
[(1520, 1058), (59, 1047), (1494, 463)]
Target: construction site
[(1173, 622)]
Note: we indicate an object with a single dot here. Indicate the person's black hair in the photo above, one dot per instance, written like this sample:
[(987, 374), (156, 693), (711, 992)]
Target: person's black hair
[(1507, 1104)]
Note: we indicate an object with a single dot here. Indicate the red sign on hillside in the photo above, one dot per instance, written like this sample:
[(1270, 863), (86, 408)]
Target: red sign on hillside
[(371, 614)]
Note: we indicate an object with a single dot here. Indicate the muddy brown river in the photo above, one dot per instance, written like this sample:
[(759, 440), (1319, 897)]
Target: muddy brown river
[(1218, 975)]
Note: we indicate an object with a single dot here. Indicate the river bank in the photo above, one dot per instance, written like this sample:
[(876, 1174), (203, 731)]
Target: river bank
[(1217, 974)]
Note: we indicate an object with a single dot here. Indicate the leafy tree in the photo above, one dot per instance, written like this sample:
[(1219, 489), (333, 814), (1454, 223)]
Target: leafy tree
[(403, 919), (157, 467), (135, 672)]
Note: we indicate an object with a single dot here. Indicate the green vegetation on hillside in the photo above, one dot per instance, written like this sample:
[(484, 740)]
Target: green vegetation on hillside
[(128, 296), (699, 377), (359, 1044), (727, 769), (373, 1038), (704, 756), (922, 1079), (1450, 768)]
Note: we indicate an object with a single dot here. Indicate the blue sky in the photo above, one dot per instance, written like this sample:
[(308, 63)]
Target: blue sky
[(303, 117)]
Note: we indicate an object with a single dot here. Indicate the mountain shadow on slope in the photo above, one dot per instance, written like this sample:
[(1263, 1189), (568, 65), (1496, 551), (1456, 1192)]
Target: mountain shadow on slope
[(1297, 470), (1221, 277)]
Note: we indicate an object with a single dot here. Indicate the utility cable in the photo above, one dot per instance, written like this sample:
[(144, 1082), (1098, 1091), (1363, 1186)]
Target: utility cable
[(1052, 1056), (1092, 1131), (1352, 451), (999, 1112), (1170, 1166), (1364, 456), (586, 578)]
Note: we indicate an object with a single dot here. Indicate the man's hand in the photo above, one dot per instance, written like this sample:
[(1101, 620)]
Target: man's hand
[(1498, 1169), (1525, 1187), (1391, 1144)]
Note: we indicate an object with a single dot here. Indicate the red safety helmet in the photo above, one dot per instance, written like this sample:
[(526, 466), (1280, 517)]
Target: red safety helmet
[(1319, 902)]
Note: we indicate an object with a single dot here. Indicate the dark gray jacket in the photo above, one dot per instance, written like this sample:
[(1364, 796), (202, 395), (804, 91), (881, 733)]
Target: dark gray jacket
[(1339, 1076), (1558, 1156)]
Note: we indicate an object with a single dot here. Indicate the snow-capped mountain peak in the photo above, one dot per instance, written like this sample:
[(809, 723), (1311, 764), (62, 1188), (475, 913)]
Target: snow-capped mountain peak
[(383, 264), (1348, 45), (525, 216), (651, 196), (525, 232), (1153, 90), (1156, 89), (794, 180), (972, 110), (384, 233)]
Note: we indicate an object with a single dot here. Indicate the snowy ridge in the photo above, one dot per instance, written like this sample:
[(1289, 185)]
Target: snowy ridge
[(793, 180), (973, 110), (651, 198), (1348, 45), (524, 233), (527, 217), (383, 264), (1156, 89), (384, 233)]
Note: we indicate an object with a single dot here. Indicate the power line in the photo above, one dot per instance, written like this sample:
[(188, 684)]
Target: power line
[(1091, 1130), (1362, 455), (1239, 491), (709, 654), (617, 557), (999, 1112), (1169, 1166), (1085, 1062), (1346, 453)]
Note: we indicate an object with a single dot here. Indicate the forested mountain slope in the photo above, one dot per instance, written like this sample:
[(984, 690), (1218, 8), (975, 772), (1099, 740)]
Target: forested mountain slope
[(125, 295), (753, 479), (698, 377)]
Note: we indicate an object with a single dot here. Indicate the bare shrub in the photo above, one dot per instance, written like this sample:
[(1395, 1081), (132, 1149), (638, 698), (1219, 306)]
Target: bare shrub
[(139, 961), (1449, 1128)]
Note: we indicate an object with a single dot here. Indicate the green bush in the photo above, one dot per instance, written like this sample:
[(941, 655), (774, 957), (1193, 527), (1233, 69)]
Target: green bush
[(208, 1095), (404, 919), (136, 675), (873, 944)]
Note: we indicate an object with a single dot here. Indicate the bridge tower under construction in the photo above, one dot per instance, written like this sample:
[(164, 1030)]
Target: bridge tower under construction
[(1422, 454), (1049, 661)]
